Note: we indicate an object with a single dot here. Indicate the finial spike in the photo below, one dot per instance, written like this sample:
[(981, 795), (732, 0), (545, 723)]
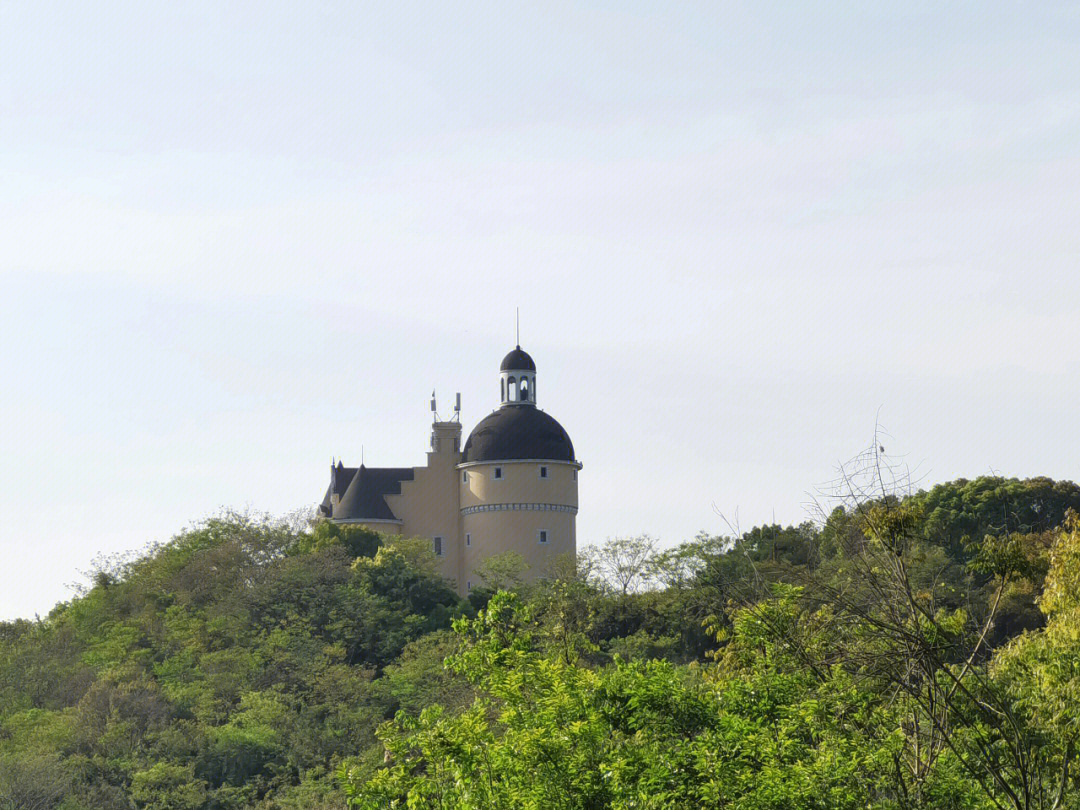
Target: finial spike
[(517, 325)]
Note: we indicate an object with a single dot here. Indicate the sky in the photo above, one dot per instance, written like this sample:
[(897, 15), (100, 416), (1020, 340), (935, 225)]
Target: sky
[(240, 239)]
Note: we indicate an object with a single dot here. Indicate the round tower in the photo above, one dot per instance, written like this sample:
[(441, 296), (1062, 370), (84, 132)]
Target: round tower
[(518, 479)]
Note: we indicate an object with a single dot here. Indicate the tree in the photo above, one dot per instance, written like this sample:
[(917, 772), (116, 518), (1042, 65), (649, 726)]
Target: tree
[(164, 786), (901, 639), (679, 567), (1040, 672), (502, 572), (32, 782), (549, 732), (992, 505), (624, 563), (358, 541)]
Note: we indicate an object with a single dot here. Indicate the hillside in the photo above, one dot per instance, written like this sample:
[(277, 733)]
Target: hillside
[(906, 653)]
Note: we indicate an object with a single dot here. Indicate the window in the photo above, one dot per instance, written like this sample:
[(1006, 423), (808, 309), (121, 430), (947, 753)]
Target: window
[(497, 474), (437, 543), (465, 477), (543, 471), (511, 384), (468, 539), (502, 390), (541, 536), (524, 389), (575, 475), (468, 585)]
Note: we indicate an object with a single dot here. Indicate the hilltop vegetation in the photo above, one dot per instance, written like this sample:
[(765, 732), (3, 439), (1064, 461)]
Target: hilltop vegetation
[(917, 652)]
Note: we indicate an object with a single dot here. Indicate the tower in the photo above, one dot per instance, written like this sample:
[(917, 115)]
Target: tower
[(519, 487)]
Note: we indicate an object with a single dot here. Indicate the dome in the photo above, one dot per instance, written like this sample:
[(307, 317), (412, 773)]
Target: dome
[(517, 360), (518, 433)]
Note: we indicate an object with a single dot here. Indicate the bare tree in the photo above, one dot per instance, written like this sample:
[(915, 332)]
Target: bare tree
[(624, 564)]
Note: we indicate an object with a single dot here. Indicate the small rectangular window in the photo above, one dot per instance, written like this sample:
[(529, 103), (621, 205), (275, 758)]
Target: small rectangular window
[(437, 543), (543, 472), (468, 585), (465, 476), (541, 536), (498, 472), (575, 475), (468, 539)]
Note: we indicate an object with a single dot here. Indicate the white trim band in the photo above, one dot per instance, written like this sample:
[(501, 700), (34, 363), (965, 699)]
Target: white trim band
[(365, 520), (530, 507), (501, 461)]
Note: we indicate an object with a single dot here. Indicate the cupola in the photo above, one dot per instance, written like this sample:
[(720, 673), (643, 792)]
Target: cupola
[(517, 379)]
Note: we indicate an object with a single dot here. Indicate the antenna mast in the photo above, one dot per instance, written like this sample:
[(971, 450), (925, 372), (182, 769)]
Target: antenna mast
[(517, 325)]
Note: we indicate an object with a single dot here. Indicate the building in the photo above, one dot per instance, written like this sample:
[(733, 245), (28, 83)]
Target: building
[(512, 487)]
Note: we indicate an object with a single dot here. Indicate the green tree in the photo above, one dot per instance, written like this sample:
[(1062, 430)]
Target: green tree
[(1041, 673), (548, 732), (164, 786)]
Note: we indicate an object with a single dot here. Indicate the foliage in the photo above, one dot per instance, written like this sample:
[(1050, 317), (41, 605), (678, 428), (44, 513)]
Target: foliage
[(547, 733), (876, 681), (358, 541), (624, 564), (1041, 672), (502, 572), (906, 652), (235, 666)]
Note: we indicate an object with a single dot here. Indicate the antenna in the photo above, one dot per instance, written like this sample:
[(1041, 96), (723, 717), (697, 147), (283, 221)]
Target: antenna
[(517, 325), (457, 403), (361, 455), (433, 400)]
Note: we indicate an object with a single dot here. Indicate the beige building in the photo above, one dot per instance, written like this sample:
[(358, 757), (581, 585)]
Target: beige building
[(512, 487)]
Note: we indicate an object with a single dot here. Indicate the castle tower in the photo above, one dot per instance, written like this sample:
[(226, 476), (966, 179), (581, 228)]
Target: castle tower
[(518, 479)]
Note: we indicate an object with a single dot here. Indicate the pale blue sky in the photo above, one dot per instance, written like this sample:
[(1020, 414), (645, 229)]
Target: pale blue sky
[(239, 239)]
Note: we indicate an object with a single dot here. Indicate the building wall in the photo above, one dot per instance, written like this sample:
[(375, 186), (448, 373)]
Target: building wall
[(507, 514), (520, 483), (428, 505)]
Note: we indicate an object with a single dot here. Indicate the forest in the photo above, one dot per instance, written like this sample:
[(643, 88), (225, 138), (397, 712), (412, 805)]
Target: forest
[(915, 649)]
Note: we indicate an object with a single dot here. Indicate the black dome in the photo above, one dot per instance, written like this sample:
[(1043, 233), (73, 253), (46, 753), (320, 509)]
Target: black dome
[(515, 432), (517, 360)]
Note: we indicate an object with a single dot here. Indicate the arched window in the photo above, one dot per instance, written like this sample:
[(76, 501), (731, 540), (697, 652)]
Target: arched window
[(502, 390), (534, 388), (525, 389), (511, 384)]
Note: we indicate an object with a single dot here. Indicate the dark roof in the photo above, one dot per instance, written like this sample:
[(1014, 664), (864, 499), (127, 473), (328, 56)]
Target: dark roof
[(363, 490), (517, 360), (340, 478), (518, 431)]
